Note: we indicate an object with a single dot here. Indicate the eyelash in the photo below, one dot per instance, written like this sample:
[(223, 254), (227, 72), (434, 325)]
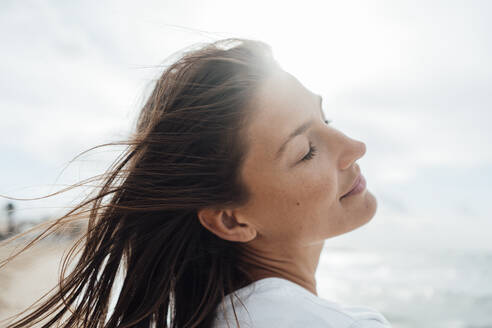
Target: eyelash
[(312, 148), (310, 154)]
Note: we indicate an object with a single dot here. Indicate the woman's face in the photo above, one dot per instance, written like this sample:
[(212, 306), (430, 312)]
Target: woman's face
[(296, 191)]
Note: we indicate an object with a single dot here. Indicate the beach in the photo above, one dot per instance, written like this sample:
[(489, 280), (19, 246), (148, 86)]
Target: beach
[(30, 275), (431, 289)]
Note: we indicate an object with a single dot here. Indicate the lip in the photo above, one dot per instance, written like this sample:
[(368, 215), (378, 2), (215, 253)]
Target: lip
[(358, 186)]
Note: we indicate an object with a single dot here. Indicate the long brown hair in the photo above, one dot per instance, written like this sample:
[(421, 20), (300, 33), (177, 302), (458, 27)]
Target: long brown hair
[(185, 154)]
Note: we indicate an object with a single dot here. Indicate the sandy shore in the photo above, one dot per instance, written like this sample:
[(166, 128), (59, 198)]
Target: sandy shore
[(30, 275)]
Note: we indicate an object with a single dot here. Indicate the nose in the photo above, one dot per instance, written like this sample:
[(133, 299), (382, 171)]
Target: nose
[(352, 151)]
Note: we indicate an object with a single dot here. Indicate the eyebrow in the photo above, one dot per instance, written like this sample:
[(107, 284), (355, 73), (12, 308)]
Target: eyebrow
[(300, 130)]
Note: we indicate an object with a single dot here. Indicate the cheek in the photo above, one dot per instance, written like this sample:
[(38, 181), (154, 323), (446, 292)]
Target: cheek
[(315, 199), (306, 202), (292, 204), (316, 187), (301, 194), (297, 194)]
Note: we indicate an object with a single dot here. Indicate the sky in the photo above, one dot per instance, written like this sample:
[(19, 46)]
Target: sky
[(411, 79)]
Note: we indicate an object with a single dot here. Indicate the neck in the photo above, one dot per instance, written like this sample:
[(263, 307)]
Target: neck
[(296, 264)]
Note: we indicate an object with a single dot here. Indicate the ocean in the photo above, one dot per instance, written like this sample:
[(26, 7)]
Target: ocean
[(425, 288)]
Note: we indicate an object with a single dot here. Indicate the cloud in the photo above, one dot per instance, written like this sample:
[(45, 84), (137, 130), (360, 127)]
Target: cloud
[(410, 79)]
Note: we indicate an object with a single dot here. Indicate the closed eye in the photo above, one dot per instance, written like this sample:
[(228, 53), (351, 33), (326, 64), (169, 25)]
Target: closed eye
[(312, 149)]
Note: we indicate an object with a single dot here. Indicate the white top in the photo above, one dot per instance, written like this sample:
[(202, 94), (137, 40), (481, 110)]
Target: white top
[(276, 302)]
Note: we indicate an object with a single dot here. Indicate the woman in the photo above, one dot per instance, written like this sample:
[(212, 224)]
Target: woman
[(219, 208)]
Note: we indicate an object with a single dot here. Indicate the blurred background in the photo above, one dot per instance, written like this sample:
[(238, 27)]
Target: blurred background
[(412, 79)]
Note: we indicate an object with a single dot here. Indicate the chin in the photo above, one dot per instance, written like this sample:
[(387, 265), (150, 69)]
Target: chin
[(362, 215), (371, 206)]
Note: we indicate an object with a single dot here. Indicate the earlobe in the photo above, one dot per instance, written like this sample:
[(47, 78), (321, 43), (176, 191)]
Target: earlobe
[(224, 224)]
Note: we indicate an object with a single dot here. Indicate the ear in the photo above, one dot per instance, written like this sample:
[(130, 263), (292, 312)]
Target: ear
[(223, 223)]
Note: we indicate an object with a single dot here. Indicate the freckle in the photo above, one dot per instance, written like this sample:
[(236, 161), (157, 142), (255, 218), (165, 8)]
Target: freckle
[(297, 203)]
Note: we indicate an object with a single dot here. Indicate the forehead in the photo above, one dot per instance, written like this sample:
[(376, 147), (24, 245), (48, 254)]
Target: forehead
[(281, 104), (278, 96)]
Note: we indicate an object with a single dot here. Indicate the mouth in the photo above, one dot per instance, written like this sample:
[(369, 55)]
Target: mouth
[(358, 186)]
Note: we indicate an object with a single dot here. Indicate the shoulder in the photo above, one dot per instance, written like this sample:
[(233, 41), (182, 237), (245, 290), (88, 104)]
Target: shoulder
[(276, 303)]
